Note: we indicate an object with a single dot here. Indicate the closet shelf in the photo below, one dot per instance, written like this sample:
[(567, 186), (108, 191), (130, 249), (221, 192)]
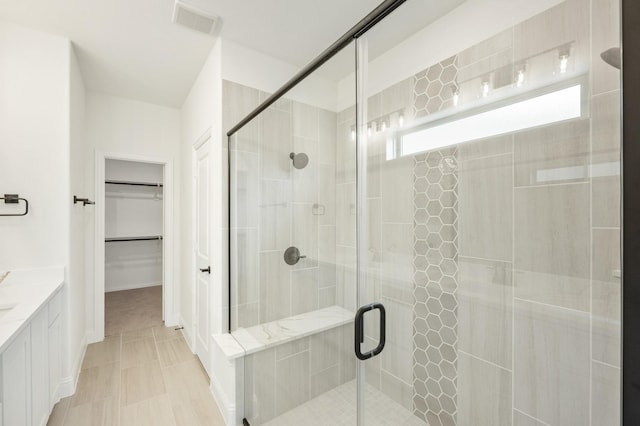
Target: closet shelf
[(151, 238), (124, 182)]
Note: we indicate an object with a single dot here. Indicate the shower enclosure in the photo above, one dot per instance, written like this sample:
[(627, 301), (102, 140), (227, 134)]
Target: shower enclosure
[(426, 229)]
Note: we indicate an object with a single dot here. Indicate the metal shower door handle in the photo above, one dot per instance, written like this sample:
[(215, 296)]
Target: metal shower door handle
[(207, 269), (359, 332)]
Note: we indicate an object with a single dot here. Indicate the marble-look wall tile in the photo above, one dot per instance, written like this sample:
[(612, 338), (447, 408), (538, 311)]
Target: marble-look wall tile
[(324, 381), (606, 193), (606, 296), (304, 290), (397, 357), (552, 154), (275, 214), (396, 389), (305, 120), (305, 182), (247, 266), (304, 235), (605, 34), (238, 101), (485, 194), (485, 311), (605, 396), (260, 385), (275, 288), (397, 191), (551, 363), (484, 393), (276, 144), (568, 22), (292, 381), (552, 245), (326, 195), (498, 43), (246, 189), (346, 214), (327, 136), (521, 419), (326, 256), (345, 153)]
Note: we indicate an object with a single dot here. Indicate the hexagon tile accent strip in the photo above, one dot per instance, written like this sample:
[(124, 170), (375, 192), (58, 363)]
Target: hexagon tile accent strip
[(434, 87), (435, 315)]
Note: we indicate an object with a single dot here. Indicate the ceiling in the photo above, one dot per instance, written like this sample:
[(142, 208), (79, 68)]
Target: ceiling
[(131, 48)]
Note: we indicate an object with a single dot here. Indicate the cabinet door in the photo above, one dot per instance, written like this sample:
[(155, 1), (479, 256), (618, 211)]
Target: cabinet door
[(16, 380), (55, 362), (40, 368)]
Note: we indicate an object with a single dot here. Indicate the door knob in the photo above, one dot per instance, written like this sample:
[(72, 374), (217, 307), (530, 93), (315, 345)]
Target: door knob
[(207, 269)]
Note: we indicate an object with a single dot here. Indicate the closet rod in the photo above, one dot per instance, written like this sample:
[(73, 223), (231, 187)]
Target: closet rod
[(109, 240), (122, 182)]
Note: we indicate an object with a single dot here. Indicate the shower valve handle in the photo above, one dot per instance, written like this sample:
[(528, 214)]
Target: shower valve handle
[(292, 256)]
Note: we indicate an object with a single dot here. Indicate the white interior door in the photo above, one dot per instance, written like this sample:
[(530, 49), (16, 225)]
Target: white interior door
[(202, 253)]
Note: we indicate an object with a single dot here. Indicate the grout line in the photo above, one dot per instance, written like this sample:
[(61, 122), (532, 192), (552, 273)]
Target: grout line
[(484, 360), (548, 305), (513, 272), (531, 417), (606, 364), (583, 182)]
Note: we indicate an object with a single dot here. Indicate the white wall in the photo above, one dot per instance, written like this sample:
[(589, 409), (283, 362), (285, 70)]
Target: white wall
[(259, 71), (79, 218), (127, 127), (34, 146)]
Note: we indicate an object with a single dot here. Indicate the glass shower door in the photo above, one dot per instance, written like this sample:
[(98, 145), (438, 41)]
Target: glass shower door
[(292, 255), (489, 204)]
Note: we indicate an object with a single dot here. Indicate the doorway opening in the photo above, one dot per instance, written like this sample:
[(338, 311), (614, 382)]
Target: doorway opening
[(133, 245)]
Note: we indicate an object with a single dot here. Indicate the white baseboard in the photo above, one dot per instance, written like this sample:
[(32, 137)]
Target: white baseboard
[(109, 289), (227, 409), (68, 384), (186, 333)]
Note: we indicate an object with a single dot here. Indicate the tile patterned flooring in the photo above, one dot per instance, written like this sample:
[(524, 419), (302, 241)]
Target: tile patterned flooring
[(142, 373), (338, 407)]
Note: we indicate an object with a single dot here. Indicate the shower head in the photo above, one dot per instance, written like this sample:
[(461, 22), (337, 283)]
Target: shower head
[(612, 57), (300, 160)]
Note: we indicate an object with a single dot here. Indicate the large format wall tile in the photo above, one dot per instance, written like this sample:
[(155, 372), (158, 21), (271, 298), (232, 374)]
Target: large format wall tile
[(304, 235), (275, 214), (239, 101), (484, 393), (397, 191), (485, 313), (552, 154), (551, 363), (605, 395), (304, 290), (292, 381), (485, 194), (606, 296), (605, 35), (275, 288), (552, 247), (246, 187), (276, 144)]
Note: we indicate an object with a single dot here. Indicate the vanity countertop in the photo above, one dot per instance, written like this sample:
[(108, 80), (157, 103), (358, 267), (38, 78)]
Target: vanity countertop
[(22, 294)]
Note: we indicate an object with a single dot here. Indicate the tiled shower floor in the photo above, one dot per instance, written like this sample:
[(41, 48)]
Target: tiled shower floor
[(338, 407)]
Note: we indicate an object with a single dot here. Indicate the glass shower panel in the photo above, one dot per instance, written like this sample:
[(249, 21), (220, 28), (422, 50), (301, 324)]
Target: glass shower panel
[(490, 213), (293, 281)]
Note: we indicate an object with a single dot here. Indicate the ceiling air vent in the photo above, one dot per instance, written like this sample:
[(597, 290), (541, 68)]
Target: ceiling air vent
[(192, 17)]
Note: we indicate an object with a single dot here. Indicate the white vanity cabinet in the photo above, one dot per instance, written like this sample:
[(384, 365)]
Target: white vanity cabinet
[(30, 369)]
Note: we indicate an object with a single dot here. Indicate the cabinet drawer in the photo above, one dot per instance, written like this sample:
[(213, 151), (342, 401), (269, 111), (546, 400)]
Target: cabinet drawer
[(55, 305)]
